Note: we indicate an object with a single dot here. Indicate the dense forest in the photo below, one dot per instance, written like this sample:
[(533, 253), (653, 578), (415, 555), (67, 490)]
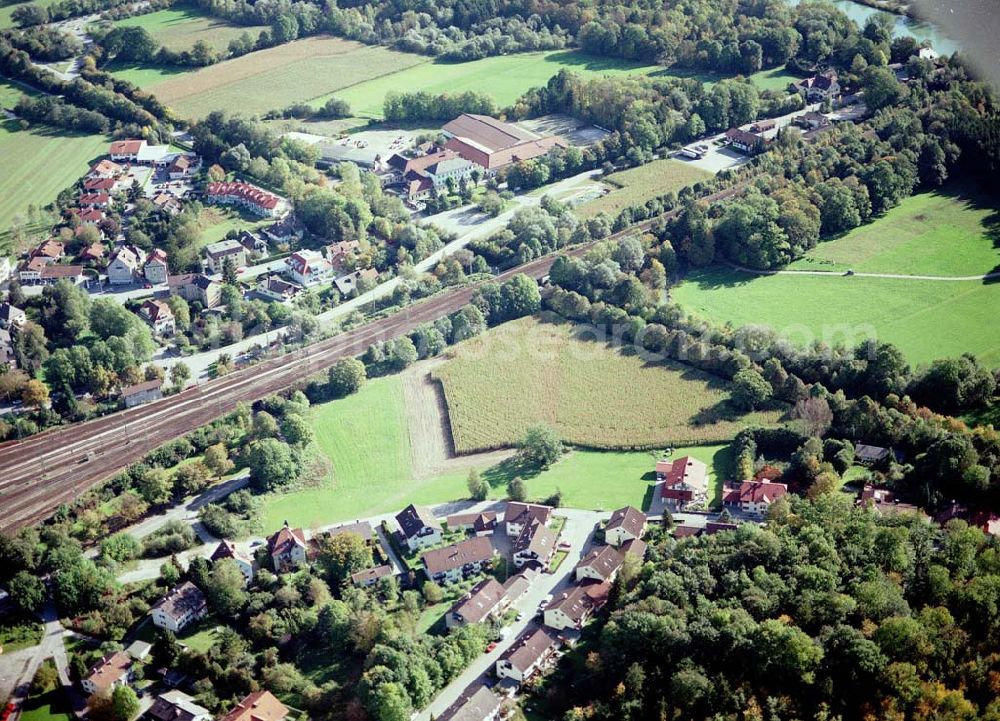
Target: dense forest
[(829, 612)]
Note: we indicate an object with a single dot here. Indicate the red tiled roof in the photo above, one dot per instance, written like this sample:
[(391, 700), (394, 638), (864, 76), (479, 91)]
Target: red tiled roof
[(243, 191), (472, 550), (98, 184), (126, 147), (258, 706), (755, 492), (285, 539), (109, 670)]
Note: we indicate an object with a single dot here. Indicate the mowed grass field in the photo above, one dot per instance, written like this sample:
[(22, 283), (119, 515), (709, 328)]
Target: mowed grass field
[(179, 28), (953, 232), (38, 164), (925, 319), (527, 371), (274, 78), (7, 10), (504, 77), (637, 185)]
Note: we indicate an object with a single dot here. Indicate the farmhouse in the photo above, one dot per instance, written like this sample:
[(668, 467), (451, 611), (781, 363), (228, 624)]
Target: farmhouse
[(480, 704), (308, 268), (182, 606), (258, 706), (528, 655), (418, 527), (274, 287), (459, 560), (535, 544), (287, 548), (601, 564), (626, 524), (480, 524), (126, 150), (247, 196), (136, 395), (158, 316), (493, 144), (419, 176), (216, 254), (125, 264), (371, 576), (176, 705), (575, 607), (487, 599), (685, 480), (112, 670), (517, 515), (156, 267), (228, 549), (753, 497)]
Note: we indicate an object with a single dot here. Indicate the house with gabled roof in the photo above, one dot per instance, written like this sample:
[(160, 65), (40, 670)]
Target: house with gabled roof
[(477, 703), (158, 316), (753, 497), (126, 150), (685, 481), (184, 605), (418, 527), (258, 706), (528, 655), (574, 607), (176, 705), (535, 544), (287, 548), (139, 393), (626, 524), (156, 268), (601, 564), (487, 599), (228, 549), (517, 515), (481, 524), (125, 265), (370, 576), (308, 268), (112, 670), (459, 560), (493, 144)]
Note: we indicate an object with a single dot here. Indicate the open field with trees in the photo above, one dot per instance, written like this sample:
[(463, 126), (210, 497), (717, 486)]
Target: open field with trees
[(277, 77), (925, 319), (637, 185), (7, 9), (526, 372), (503, 77), (38, 164), (179, 28), (952, 231)]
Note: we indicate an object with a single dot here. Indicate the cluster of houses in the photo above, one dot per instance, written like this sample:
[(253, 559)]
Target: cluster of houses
[(476, 146), (247, 196)]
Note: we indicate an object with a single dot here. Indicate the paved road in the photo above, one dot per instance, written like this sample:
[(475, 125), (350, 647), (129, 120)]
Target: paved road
[(578, 531), (841, 274)]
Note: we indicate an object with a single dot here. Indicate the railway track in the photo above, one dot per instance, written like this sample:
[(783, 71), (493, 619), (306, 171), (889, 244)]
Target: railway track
[(40, 473)]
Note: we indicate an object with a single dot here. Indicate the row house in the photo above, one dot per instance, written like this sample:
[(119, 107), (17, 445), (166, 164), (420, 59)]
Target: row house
[(254, 199), (459, 560), (477, 703), (535, 544), (487, 599)]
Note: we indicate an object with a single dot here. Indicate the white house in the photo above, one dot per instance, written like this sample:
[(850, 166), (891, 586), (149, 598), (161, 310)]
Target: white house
[(626, 524), (575, 607), (308, 268), (601, 564), (110, 671), (418, 527), (227, 549), (287, 548), (125, 265), (179, 608), (529, 653), (517, 515)]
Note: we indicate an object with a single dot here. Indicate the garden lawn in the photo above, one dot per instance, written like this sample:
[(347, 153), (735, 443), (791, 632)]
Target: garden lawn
[(926, 319), (365, 438), (635, 186), (17, 634), (952, 231), (776, 79), (528, 371), (180, 27), (216, 221), (38, 164), (275, 78), (504, 77), (7, 10), (201, 636)]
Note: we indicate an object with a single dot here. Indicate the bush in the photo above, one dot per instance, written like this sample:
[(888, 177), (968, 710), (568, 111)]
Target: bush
[(174, 537)]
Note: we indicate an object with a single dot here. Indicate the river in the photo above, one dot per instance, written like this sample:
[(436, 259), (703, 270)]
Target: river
[(904, 25)]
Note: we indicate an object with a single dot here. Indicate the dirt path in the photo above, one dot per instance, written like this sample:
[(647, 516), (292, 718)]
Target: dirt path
[(431, 446)]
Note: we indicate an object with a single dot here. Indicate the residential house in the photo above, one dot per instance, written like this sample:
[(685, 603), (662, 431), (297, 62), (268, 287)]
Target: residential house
[(517, 515), (156, 268), (99, 185), (31, 270), (419, 176), (126, 150), (95, 200), (167, 203), (49, 251), (636, 547), (535, 544), (254, 199), (493, 144), (11, 316), (258, 706), (871, 455), (287, 548), (459, 560), (256, 247), (518, 584), (217, 253), (626, 524), (371, 576), (753, 497), (347, 284), (158, 316), (90, 216), (819, 87), (274, 287), (745, 141), (286, 230), (176, 705), (184, 605), (195, 287), (601, 564), (308, 268), (106, 169), (93, 253), (182, 166), (145, 392), (418, 527), (481, 524), (358, 528), (125, 265), (343, 252), (811, 120), (685, 481), (528, 655), (573, 608), (112, 670), (54, 272), (477, 703), (228, 549), (487, 599), (8, 356)]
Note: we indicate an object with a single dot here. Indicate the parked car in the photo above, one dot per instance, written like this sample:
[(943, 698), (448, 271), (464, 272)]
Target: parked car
[(493, 645)]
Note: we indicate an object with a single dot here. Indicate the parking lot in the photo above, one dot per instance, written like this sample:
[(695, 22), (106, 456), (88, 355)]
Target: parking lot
[(718, 156), (574, 131)]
